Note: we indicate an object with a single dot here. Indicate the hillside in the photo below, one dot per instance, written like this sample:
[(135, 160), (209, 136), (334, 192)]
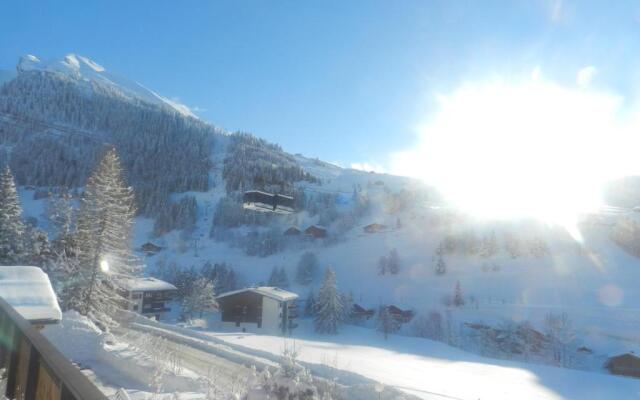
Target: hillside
[(189, 176)]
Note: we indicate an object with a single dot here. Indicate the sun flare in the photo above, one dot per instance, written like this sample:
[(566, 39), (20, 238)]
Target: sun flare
[(534, 149)]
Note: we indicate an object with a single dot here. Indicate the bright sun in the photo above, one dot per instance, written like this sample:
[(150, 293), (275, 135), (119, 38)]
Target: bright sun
[(534, 149)]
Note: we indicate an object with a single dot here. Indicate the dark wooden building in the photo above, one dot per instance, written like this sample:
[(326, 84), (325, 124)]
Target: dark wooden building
[(259, 309), (360, 313), (375, 227), (292, 231), (402, 316), (150, 248), (625, 364), (316, 231)]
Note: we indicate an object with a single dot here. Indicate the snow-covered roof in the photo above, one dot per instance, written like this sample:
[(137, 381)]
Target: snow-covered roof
[(267, 291), (146, 284), (29, 291)]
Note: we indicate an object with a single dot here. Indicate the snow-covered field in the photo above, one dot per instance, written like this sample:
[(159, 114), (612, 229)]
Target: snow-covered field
[(427, 369)]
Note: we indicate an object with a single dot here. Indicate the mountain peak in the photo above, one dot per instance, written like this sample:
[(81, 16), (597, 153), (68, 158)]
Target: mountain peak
[(82, 68), (71, 64)]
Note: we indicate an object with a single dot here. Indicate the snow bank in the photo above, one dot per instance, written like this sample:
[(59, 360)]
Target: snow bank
[(77, 337)]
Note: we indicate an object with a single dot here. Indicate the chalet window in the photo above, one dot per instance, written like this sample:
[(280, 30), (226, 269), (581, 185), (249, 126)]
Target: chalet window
[(135, 307), (136, 296)]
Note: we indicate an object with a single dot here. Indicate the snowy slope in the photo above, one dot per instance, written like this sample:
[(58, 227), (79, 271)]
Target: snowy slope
[(432, 370), (85, 70)]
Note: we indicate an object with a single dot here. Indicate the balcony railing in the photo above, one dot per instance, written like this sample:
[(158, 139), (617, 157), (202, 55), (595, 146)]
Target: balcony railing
[(34, 368)]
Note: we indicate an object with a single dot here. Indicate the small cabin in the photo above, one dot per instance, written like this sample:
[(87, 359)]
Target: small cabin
[(402, 316), (292, 231), (262, 309), (149, 296), (150, 248), (625, 364), (375, 227), (360, 313), (316, 232), (29, 291)]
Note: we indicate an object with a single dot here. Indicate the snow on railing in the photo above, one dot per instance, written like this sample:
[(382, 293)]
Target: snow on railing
[(35, 369)]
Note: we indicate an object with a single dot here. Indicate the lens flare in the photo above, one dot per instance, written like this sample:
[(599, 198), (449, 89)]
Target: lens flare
[(535, 149)]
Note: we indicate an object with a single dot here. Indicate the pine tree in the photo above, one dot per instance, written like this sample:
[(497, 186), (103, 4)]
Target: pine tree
[(278, 278), (347, 306), (393, 262), (383, 265), (283, 279), (329, 307), (104, 228), (202, 297), (441, 266), (12, 229), (458, 299), (274, 276), (310, 305), (386, 322), (307, 268), (37, 250)]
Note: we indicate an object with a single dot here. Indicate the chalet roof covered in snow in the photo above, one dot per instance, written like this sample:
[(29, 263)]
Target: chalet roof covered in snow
[(147, 284), (29, 291), (267, 291)]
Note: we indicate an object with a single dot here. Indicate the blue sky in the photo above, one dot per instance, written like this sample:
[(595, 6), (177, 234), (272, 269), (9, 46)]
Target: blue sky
[(346, 81)]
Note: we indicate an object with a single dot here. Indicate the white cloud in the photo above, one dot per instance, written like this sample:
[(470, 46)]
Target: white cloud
[(365, 166), (585, 75)]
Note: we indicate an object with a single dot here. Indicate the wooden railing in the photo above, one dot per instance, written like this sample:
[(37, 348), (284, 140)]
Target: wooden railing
[(33, 368)]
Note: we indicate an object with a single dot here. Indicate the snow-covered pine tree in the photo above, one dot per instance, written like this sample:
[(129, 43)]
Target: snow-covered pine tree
[(458, 299), (329, 307), (104, 228), (202, 298), (386, 323), (12, 229), (61, 214), (441, 266), (274, 276), (307, 268), (383, 265), (310, 305), (489, 246), (37, 250), (393, 262), (278, 278), (283, 279), (347, 306)]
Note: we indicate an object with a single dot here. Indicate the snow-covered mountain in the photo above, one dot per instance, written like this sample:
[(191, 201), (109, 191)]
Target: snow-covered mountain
[(189, 177), (85, 71)]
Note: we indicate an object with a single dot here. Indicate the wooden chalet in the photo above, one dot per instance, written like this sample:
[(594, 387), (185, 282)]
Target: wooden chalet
[(150, 248), (375, 227), (402, 316), (624, 364), (360, 313), (316, 232), (263, 309), (292, 231)]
